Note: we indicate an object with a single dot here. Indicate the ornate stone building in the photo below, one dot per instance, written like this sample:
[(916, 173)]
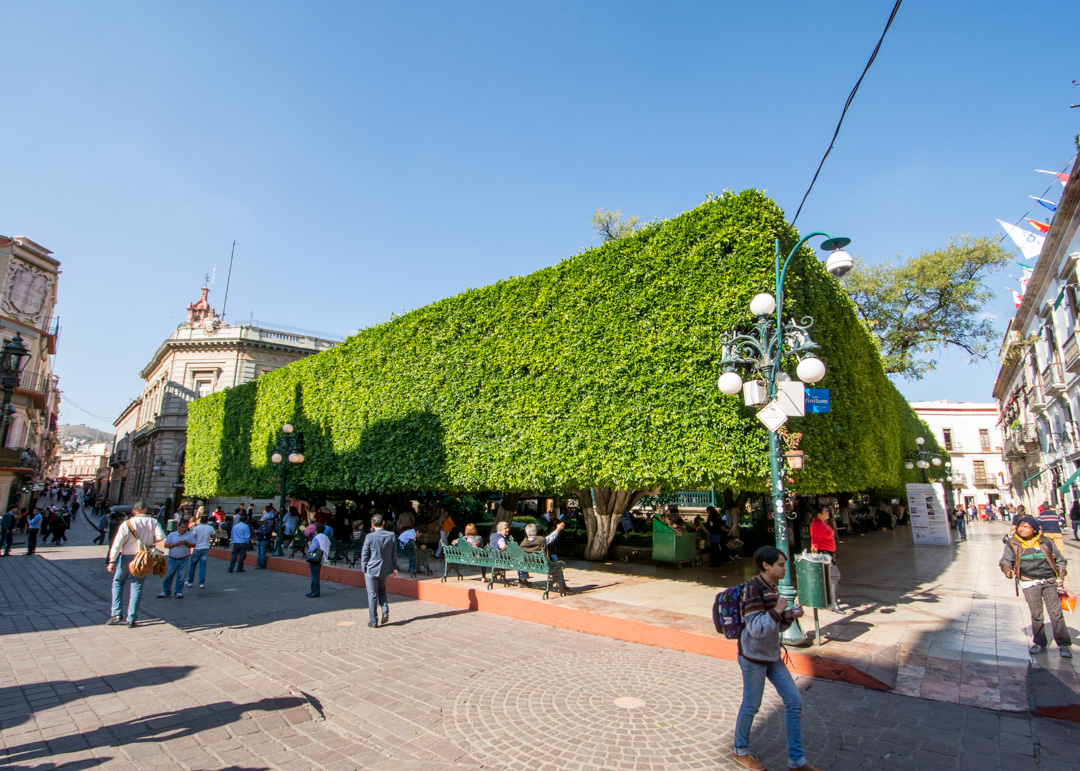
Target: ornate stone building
[(27, 299), (202, 356)]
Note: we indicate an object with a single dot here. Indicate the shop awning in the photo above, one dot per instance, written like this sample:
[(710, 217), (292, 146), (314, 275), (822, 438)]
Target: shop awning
[(1037, 474), (1065, 485)]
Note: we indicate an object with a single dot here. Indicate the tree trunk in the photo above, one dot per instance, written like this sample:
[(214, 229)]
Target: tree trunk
[(507, 510), (603, 508)]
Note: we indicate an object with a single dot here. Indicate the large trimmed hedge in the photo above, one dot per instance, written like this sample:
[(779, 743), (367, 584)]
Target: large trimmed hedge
[(598, 371)]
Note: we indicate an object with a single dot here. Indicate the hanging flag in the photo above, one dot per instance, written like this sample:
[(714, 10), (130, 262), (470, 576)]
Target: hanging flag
[(1049, 205), (1029, 244), (1062, 178), (1042, 227), (1017, 297)]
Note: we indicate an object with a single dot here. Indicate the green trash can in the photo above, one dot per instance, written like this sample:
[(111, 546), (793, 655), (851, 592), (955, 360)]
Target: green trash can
[(812, 575)]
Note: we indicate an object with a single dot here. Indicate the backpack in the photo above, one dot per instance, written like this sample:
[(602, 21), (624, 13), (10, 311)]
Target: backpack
[(727, 612), (146, 561)]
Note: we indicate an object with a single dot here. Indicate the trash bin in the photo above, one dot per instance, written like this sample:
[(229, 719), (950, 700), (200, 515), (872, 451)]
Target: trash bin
[(812, 576), (669, 546)]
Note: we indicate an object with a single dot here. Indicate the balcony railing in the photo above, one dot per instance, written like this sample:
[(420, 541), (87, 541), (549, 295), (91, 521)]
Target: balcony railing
[(19, 457), (118, 457), (1021, 441), (1071, 353), (983, 479), (1053, 377), (35, 381), (1036, 398)]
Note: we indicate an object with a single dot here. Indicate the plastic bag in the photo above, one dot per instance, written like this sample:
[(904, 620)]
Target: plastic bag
[(1068, 599)]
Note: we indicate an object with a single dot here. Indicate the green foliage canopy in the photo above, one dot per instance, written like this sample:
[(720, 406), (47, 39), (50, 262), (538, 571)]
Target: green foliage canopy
[(598, 371)]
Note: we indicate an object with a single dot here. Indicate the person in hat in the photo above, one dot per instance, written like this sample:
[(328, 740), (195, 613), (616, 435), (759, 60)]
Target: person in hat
[(1038, 567)]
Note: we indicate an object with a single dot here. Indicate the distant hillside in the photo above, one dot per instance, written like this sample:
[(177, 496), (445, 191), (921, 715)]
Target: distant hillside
[(84, 434)]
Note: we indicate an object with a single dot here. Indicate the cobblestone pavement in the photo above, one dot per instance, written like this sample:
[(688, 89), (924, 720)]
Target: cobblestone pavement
[(249, 674)]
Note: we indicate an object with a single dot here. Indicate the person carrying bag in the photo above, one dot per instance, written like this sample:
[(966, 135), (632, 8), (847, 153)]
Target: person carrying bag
[(133, 557)]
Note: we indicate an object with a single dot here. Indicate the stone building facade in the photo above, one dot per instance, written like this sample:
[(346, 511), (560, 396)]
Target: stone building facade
[(86, 466), (27, 300), (969, 432), (1038, 386), (202, 356)]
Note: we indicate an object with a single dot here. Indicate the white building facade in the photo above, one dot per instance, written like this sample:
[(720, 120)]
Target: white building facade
[(970, 433), (1038, 387)]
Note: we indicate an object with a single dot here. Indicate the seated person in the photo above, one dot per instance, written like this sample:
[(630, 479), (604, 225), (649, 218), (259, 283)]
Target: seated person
[(534, 544)]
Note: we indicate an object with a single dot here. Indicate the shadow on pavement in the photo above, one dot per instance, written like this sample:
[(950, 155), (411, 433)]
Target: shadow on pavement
[(19, 711), (159, 727)]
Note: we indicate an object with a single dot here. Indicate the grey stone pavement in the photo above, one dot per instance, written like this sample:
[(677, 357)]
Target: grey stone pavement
[(249, 674)]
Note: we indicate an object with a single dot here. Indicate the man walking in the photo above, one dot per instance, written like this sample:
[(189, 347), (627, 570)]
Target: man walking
[(378, 561), (240, 538), (1038, 567), (103, 528), (262, 538), (202, 532), (1050, 525), (33, 527), (7, 531), (179, 543), (1074, 519), (140, 529)]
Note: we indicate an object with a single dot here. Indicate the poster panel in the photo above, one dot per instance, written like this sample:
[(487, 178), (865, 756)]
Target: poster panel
[(929, 520)]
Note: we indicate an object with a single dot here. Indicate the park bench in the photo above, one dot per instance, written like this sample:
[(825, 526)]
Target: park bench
[(500, 562), (423, 557), (298, 544)]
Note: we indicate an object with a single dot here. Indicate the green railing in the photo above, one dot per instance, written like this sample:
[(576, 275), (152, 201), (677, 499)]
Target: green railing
[(695, 499)]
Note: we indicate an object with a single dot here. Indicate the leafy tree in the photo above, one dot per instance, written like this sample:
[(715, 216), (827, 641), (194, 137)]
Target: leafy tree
[(611, 226), (595, 376), (928, 303)]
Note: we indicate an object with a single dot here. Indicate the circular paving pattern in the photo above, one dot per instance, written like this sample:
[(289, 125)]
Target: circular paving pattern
[(330, 631), (624, 710)]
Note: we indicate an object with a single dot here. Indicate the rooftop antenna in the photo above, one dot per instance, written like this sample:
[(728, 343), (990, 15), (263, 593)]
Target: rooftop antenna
[(228, 279)]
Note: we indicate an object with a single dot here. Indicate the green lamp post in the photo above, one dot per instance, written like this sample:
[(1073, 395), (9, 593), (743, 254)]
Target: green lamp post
[(286, 452), (763, 350)]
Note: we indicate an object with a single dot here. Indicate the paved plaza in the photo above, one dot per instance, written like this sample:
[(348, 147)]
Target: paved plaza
[(249, 674)]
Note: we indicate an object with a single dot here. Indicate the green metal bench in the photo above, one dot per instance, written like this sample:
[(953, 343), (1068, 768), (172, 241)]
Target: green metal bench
[(466, 554), (340, 552), (423, 557), (298, 544), (513, 558)]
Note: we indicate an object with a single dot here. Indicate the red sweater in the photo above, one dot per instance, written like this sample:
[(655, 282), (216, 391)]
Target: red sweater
[(822, 536)]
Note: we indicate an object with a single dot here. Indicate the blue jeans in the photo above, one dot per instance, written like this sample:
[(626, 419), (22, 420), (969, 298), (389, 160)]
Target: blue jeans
[(753, 687), (376, 596), (961, 527), (176, 567), (121, 575), (1075, 525), (316, 569), (5, 541), (239, 551), (260, 553), (198, 557)]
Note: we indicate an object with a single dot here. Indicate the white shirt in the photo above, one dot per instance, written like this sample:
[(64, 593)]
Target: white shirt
[(202, 535), (322, 542), (406, 536), (147, 531)]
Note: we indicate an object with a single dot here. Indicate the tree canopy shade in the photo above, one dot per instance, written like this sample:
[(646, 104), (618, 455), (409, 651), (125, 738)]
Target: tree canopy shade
[(597, 372), (928, 303)]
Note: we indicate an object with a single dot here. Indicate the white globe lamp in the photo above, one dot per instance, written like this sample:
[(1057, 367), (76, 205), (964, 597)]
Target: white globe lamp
[(810, 370), (730, 383), (763, 304)]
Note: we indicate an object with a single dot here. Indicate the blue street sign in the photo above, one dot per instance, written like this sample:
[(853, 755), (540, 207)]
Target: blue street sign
[(817, 400)]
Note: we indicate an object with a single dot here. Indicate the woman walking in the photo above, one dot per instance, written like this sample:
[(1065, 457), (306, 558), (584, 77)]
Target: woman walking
[(823, 541), (765, 615), (322, 544)]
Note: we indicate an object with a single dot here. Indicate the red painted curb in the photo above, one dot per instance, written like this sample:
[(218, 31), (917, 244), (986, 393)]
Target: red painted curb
[(485, 601)]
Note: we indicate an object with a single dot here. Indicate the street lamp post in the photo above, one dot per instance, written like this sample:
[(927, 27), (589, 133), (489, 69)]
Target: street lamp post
[(764, 349), (11, 360), (922, 459), (287, 451)]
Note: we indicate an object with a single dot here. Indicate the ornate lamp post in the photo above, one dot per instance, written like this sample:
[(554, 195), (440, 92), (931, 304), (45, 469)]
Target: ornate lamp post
[(287, 451), (922, 459), (11, 361), (763, 350)]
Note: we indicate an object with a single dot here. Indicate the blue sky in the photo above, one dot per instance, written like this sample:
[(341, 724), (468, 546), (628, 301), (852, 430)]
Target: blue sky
[(370, 158)]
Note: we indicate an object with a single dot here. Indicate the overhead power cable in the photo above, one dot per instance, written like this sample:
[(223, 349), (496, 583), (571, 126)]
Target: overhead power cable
[(847, 104), (69, 400)]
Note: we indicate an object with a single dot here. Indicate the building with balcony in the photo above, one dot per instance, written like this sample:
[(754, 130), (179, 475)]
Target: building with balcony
[(1038, 386), (203, 355), (86, 467), (969, 432), (27, 302)]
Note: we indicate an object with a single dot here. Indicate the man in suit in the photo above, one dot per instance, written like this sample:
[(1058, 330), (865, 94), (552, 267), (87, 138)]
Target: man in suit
[(378, 561)]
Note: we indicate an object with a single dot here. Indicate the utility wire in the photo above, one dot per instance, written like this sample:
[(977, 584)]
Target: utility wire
[(847, 104), (68, 400)]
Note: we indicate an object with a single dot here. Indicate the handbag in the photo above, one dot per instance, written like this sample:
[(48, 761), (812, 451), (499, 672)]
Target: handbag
[(314, 556), (146, 561), (734, 544), (1068, 599)]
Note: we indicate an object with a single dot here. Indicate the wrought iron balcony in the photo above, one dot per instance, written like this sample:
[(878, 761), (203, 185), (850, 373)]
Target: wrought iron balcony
[(1053, 378)]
